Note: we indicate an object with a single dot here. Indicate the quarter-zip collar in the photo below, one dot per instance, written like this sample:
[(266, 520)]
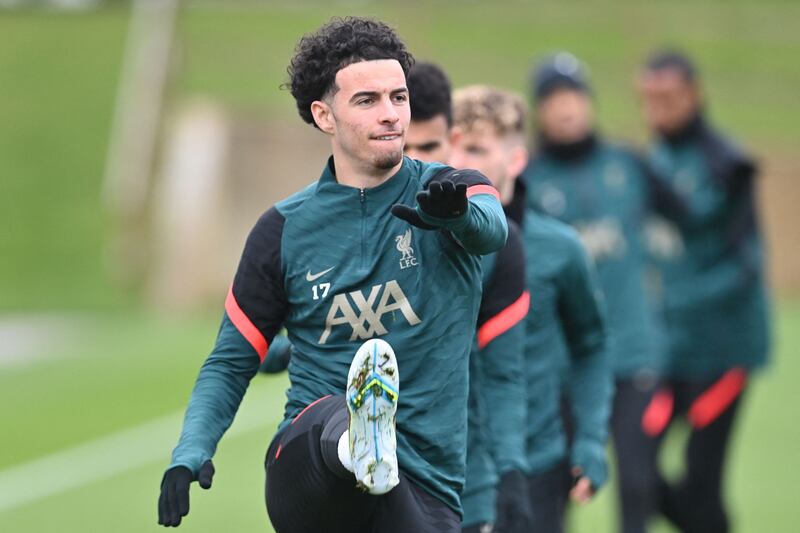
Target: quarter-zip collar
[(371, 203), (387, 192)]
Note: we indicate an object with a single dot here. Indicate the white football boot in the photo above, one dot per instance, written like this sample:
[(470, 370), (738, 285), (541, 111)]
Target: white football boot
[(373, 385)]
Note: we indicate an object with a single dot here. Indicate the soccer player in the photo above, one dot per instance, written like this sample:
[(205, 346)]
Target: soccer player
[(380, 245), (428, 136), (496, 492), (564, 327), (714, 297), (604, 191)]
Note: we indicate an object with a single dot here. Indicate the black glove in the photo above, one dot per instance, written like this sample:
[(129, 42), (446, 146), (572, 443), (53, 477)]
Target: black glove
[(513, 504), (442, 199), (173, 504)]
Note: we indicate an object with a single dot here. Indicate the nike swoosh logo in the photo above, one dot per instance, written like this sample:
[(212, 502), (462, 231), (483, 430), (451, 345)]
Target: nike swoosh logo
[(313, 277)]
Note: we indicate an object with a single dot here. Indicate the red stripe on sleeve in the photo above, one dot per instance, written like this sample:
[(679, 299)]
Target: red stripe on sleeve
[(504, 320), (658, 413), (482, 189), (245, 327), (719, 396)]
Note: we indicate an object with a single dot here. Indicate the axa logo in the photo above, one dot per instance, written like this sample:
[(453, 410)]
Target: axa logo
[(364, 314), (403, 245)]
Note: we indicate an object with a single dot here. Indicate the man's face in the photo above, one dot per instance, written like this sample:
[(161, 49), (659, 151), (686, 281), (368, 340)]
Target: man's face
[(370, 114), (429, 140), (565, 116), (500, 160), (669, 100)]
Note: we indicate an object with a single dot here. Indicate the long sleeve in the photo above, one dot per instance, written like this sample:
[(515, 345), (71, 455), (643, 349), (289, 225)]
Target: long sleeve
[(501, 342), (589, 380), (254, 312), (483, 229), (217, 393)]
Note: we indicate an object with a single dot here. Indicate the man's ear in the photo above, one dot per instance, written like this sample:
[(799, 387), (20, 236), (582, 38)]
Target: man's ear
[(518, 160), (323, 116)]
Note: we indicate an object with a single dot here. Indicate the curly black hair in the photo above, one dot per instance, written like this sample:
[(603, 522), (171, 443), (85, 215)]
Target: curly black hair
[(430, 93), (339, 43)]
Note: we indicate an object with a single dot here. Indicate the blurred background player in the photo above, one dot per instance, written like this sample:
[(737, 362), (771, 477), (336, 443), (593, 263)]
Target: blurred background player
[(336, 463), (603, 191), (714, 297), (495, 494), (564, 325)]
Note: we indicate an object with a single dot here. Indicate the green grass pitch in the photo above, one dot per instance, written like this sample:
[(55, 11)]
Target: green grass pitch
[(129, 377)]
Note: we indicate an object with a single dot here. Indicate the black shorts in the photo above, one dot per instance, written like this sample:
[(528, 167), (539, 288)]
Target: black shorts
[(307, 489)]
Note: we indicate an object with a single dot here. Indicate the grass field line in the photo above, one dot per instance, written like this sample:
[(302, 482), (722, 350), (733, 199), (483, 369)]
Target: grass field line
[(113, 454)]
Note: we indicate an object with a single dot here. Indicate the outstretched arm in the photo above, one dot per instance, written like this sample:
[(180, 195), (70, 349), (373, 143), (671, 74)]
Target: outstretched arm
[(463, 202), (254, 311)]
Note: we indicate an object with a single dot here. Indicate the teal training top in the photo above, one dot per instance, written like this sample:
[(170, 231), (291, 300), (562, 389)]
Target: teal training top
[(711, 262), (564, 338), (602, 191), (334, 267), (497, 388), (495, 443)]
